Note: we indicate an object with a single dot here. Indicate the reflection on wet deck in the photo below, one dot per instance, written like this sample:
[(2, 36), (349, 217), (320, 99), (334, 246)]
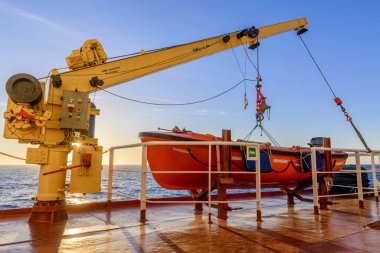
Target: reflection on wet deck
[(178, 228)]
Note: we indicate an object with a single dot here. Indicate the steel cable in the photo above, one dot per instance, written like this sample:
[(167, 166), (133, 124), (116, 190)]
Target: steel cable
[(175, 104), (349, 119), (12, 156)]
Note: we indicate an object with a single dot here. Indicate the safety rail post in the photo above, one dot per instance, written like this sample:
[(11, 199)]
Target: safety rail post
[(377, 181), (209, 184), (221, 183), (374, 178), (143, 185), (258, 185), (359, 180), (110, 177), (322, 184), (315, 180)]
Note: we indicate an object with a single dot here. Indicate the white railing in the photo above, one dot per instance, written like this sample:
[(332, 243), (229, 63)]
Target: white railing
[(316, 197), (357, 153), (144, 170)]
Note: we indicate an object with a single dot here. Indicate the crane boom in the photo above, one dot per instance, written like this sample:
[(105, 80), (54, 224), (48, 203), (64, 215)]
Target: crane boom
[(145, 63)]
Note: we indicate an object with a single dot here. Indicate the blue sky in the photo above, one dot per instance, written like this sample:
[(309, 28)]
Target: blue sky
[(343, 36)]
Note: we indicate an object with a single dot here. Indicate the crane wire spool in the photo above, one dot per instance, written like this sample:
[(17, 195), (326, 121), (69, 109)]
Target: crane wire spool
[(24, 88), (337, 100)]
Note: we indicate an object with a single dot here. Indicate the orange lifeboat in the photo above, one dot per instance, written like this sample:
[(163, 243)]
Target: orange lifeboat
[(279, 166)]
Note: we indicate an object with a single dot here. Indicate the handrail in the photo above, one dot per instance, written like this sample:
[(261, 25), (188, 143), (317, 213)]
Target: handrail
[(184, 143), (347, 150), (358, 172), (144, 171)]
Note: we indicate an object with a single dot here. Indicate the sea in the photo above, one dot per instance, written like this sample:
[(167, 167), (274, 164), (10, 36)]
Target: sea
[(18, 185)]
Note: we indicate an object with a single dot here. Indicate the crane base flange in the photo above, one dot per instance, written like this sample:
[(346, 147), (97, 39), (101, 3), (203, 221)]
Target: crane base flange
[(49, 212)]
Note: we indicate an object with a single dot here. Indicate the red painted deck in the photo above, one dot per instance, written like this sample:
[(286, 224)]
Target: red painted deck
[(177, 228)]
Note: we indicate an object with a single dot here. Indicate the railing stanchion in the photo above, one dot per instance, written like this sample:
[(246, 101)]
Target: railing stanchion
[(376, 182), (218, 166), (315, 180), (110, 177), (258, 185), (143, 185), (374, 178), (209, 184), (359, 180)]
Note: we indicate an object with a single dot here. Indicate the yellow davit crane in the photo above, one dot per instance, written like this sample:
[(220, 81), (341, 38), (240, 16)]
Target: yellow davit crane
[(63, 116)]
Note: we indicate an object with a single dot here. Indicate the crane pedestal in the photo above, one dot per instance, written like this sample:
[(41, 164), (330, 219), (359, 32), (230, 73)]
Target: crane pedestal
[(51, 203), (49, 211)]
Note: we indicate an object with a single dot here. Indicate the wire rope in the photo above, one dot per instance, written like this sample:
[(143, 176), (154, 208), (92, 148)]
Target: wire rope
[(12, 156), (174, 104), (349, 119)]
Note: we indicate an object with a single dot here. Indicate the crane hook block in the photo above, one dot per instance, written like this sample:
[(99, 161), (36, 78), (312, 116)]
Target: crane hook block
[(24, 88), (254, 46)]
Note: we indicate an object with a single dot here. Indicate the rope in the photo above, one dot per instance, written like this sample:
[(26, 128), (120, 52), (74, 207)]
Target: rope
[(237, 61), (257, 57), (121, 57), (12, 156), (175, 104), (169, 60), (337, 100), (253, 64), (316, 64), (271, 138), (23, 159), (260, 98), (359, 135), (93, 99), (196, 159), (245, 71)]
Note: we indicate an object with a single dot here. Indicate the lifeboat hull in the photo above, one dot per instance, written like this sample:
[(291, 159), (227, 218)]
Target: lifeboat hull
[(279, 166)]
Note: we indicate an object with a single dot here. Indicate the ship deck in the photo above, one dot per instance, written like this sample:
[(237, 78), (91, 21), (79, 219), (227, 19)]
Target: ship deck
[(179, 228)]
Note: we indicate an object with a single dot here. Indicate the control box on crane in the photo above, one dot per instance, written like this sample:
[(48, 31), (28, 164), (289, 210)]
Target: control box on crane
[(75, 107)]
